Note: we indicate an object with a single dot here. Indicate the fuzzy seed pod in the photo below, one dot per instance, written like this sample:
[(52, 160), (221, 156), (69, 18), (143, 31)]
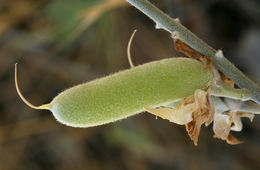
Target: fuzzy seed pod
[(127, 92)]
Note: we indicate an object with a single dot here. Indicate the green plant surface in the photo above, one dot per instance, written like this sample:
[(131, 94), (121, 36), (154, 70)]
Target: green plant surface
[(178, 31), (128, 92)]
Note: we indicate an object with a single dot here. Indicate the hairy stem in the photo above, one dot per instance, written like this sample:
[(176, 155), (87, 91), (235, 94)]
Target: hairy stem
[(250, 107), (235, 105), (173, 26), (247, 106)]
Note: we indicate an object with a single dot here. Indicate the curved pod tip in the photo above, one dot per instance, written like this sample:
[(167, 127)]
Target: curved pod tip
[(44, 106), (128, 49)]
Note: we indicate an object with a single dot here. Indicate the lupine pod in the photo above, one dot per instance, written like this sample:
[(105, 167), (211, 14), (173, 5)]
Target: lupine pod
[(127, 92)]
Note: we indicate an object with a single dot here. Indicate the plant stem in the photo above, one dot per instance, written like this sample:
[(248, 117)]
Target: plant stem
[(247, 106), (174, 27), (250, 107)]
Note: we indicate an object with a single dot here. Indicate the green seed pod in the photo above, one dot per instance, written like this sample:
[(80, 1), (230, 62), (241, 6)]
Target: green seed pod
[(127, 92)]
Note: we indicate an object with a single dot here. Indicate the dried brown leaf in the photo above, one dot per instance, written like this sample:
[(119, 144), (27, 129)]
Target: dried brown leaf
[(203, 113), (198, 109), (180, 115), (192, 111), (226, 80), (224, 123), (190, 52), (233, 140)]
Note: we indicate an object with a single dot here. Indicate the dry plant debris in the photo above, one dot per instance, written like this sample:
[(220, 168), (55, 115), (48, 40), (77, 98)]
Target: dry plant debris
[(189, 52), (199, 108), (225, 122), (192, 111)]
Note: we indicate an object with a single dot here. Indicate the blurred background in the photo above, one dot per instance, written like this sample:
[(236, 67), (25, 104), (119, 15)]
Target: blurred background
[(61, 43)]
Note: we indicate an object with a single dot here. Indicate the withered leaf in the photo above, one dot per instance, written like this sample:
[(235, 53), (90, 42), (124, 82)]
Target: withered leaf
[(192, 111), (226, 80), (180, 115), (225, 122), (190, 52), (203, 113)]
